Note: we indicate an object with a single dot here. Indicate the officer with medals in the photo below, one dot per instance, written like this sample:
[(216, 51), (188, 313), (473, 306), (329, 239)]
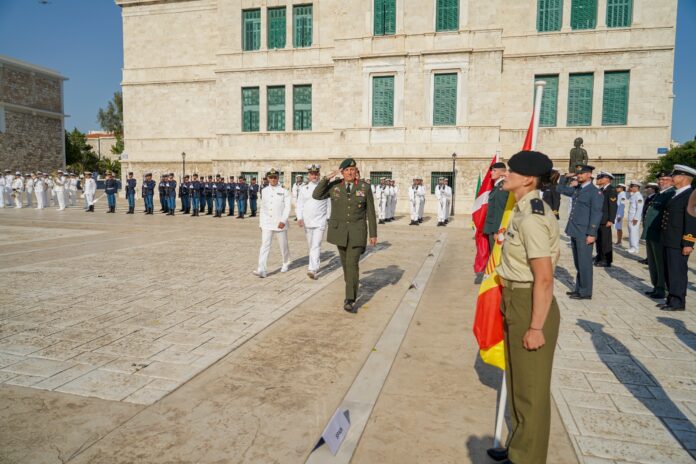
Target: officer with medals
[(148, 192), (652, 229), (352, 206), (582, 227), (678, 238), (530, 252), (130, 193), (604, 245)]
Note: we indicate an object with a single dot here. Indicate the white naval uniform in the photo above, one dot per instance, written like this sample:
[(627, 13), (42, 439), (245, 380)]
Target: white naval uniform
[(59, 191), (390, 198), (48, 192), (72, 192), (18, 189), (421, 201), (29, 191), (381, 201), (39, 188), (3, 191), (635, 211), (275, 208), (314, 213), (413, 200), (295, 190), (90, 189), (395, 198), (443, 193), (620, 209), (8, 190)]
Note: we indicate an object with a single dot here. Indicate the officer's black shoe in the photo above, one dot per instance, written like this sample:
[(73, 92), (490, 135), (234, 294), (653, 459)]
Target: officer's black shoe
[(381, 221), (420, 220), (230, 214), (572, 293), (253, 215), (657, 296), (673, 308), (446, 221), (348, 305), (208, 213), (580, 297), (497, 454)]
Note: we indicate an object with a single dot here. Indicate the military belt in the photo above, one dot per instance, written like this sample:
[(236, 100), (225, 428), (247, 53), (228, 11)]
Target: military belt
[(512, 285)]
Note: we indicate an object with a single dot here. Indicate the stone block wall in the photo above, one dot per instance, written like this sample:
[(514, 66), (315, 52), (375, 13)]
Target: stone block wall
[(31, 142)]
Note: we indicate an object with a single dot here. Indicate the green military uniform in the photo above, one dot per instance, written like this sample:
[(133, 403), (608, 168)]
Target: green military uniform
[(651, 235), (497, 199), (347, 226), (532, 233)]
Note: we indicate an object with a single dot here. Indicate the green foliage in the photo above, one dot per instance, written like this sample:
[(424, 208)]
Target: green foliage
[(106, 164), (684, 154), (79, 156), (111, 120)]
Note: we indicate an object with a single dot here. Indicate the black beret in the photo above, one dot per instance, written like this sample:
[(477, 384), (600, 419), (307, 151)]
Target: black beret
[(498, 165), (663, 174), (347, 163), (530, 163), (583, 168)]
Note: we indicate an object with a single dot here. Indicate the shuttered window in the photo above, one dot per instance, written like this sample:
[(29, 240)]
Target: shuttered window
[(615, 98), (549, 15), (385, 17), (445, 99), (250, 109), (302, 107), (619, 13), (382, 101), (435, 180), (302, 17), (583, 14), (549, 100), (276, 27), (303, 174), (250, 175), (251, 29), (447, 15), (375, 176), (275, 96), (580, 99)]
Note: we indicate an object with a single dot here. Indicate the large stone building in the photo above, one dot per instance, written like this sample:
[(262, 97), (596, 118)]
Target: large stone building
[(400, 85), (32, 119)]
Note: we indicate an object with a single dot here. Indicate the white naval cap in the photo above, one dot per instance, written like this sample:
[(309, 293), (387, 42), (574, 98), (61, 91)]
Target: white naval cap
[(18, 173), (621, 185), (680, 169), (635, 183), (608, 175)]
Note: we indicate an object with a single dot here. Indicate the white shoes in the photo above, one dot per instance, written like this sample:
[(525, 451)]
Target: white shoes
[(284, 269), (633, 251), (261, 274)]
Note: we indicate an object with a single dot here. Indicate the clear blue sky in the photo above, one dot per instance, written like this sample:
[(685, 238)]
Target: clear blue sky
[(82, 40)]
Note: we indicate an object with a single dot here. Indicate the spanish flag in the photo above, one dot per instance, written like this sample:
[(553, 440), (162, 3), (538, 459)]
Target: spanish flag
[(488, 322)]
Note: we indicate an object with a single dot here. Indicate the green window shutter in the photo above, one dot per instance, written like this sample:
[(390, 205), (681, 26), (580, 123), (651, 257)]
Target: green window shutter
[(375, 176), (447, 18), (583, 14), (276, 27), (302, 15), (615, 98), (435, 180), (302, 107), (383, 101), (619, 13), (549, 100), (251, 24), (580, 99), (275, 98), (385, 17), (250, 109), (549, 15), (445, 100)]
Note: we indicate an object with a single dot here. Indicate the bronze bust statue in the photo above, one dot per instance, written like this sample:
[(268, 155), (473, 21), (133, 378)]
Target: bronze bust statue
[(578, 155)]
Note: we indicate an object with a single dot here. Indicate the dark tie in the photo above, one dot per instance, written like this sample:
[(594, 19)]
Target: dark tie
[(348, 188)]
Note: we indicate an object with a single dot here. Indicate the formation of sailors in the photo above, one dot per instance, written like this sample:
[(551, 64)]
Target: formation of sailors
[(38, 188)]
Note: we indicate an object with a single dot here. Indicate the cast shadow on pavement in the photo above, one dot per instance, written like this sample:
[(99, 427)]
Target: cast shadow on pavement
[(477, 446), (676, 423), (686, 336), (626, 278), (625, 254), (377, 280), (488, 375), (564, 277), (304, 261)]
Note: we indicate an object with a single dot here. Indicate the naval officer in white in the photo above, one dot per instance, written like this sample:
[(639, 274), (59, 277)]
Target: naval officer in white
[(312, 215), (275, 210)]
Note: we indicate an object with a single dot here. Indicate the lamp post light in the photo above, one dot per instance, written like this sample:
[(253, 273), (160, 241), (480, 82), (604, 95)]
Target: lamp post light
[(183, 162), (454, 180)]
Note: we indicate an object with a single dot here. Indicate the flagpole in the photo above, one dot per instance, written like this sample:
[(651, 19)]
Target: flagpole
[(502, 402)]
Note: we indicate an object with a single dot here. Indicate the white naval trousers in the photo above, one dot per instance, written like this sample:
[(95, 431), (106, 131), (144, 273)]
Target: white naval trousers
[(28, 199), (18, 199), (60, 194), (39, 200), (414, 209), (2, 196), (266, 239), (441, 209), (383, 208), (314, 236), (421, 206), (633, 236), (72, 197), (89, 199)]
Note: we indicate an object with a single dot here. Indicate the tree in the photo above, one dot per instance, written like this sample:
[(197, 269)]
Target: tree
[(111, 120), (683, 154), (78, 153)]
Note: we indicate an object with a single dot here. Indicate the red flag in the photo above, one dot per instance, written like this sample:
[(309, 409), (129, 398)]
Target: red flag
[(479, 218)]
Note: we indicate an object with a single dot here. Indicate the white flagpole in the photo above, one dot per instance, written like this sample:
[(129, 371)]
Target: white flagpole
[(502, 402)]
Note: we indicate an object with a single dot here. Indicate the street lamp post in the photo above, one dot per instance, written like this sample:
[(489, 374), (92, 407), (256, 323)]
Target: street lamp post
[(183, 162), (454, 180)]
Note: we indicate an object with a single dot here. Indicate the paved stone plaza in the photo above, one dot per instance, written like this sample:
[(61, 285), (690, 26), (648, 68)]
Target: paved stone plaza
[(146, 339)]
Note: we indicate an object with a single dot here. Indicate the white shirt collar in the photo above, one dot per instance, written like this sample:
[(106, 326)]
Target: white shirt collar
[(682, 189)]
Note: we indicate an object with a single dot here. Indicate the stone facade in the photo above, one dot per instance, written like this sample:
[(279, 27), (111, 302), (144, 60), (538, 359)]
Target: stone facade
[(182, 91), (101, 143), (31, 117)]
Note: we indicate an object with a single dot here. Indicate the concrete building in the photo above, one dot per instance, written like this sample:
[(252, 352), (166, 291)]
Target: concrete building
[(32, 119), (101, 143), (400, 85)]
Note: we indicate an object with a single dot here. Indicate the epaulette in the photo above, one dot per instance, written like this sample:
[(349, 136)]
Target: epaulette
[(537, 205)]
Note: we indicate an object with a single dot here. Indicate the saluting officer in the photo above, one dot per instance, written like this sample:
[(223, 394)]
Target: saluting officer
[(604, 245), (130, 193), (497, 199), (532, 318), (582, 227), (185, 195), (652, 230), (195, 194), (352, 206), (678, 238), (148, 192)]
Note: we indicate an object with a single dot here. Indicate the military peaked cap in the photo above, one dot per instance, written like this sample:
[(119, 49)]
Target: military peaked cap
[(680, 169)]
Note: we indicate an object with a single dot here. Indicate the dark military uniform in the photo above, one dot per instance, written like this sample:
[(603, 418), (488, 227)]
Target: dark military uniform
[(583, 222), (652, 229), (552, 198), (162, 189), (231, 189), (497, 198), (242, 196), (195, 196), (604, 245), (170, 186), (130, 194), (184, 194), (678, 231), (208, 192), (253, 197), (352, 214), (148, 194), (110, 188)]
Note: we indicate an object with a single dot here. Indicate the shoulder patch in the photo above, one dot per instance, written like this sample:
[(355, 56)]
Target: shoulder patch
[(537, 206)]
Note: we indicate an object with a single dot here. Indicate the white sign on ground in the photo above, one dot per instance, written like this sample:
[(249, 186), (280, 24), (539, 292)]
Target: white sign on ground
[(336, 431)]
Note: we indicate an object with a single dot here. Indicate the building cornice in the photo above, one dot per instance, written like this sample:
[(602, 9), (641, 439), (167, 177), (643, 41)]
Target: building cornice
[(12, 62), (126, 3), (34, 111)]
